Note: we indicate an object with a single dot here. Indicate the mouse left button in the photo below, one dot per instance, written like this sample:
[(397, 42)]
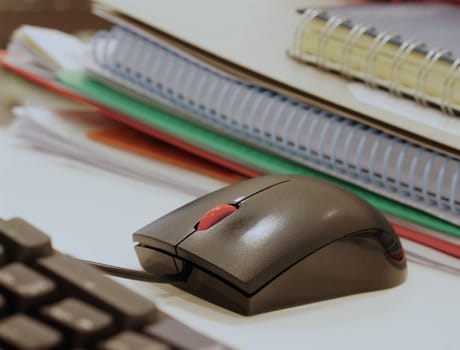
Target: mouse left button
[(158, 262)]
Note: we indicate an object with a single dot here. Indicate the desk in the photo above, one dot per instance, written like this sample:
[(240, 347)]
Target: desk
[(91, 214)]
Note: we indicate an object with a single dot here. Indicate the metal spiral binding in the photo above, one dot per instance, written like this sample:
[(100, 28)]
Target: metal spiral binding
[(307, 17), (277, 124), (439, 181), (373, 174), (413, 167), (335, 141), (348, 169), (426, 172), (378, 43), (334, 144), (316, 156), (450, 82), (332, 23), (398, 61), (286, 145), (355, 33), (424, 71), (386, 165)]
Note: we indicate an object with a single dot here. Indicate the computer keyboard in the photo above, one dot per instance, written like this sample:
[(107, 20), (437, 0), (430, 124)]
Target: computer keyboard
[(49, 300)]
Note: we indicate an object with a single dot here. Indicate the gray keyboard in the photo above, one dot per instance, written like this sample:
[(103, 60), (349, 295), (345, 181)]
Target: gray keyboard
[(49, 300)]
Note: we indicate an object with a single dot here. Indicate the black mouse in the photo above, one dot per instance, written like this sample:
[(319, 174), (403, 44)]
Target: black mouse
[(272, 242)]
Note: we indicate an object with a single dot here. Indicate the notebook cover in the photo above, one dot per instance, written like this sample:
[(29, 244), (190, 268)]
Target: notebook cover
[(250, 39)]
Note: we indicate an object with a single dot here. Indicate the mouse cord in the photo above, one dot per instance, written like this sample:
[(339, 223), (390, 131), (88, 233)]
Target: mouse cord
[(116, 271), (139, 275), (131, 274)]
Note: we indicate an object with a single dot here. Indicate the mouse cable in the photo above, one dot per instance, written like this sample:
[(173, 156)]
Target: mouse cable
[(117, 271), (139, 275), (132, 274)]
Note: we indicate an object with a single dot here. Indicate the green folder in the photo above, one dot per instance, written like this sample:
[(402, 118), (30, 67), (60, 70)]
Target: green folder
[(229, 148)]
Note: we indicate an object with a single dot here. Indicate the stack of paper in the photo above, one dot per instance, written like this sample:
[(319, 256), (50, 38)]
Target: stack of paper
[(66, 133)]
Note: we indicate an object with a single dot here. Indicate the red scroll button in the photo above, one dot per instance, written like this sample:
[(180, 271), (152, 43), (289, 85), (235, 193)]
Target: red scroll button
[(214, 215)]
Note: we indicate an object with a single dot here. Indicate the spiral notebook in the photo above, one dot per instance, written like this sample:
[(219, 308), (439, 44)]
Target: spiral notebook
[(409, 49), (329, 143), (227, 151), (249, 39)]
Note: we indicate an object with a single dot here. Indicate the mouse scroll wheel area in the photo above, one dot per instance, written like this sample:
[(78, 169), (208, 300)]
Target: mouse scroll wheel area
[(214, 215)]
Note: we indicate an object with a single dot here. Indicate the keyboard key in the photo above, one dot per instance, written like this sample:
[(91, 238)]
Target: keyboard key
[(23, 241), (132, 341), (24, 333), (130, 310), (24, 286), (80, 320), (2, 305), (182, 337), (3, 259)]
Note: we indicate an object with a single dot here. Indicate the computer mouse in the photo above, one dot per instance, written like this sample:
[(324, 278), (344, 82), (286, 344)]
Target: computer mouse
[(272, 242)]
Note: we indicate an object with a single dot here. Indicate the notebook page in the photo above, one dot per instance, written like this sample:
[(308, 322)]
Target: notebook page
[(64, 133)]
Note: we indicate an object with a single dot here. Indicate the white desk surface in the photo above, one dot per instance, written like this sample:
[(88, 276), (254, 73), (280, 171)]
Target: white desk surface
[(91, 214)]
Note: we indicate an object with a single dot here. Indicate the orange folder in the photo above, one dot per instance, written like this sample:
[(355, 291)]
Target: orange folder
[(137, 142)]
